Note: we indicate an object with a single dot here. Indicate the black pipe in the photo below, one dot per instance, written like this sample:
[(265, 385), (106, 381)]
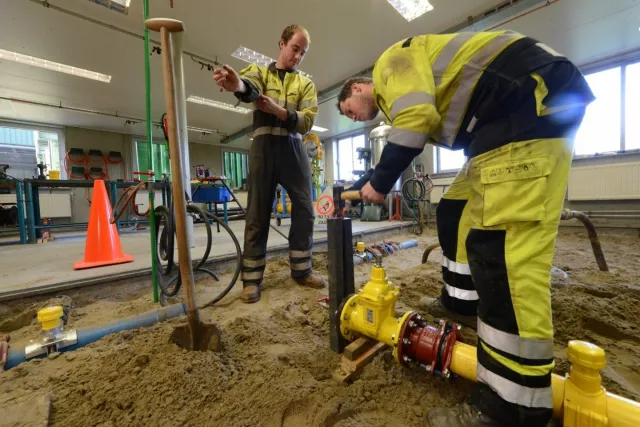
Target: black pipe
[(593, 235), (427, 251)]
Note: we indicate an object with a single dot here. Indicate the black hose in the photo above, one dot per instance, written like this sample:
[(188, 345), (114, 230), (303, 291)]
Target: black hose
[(166, 244)]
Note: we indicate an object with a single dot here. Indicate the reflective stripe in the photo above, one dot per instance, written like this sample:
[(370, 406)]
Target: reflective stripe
[(447, 54), (462, 294), (301, 266), (411, 99), (470, 75), (456, 267), (269, 130), (253, 275), (306, 104), (408, 138), (299, 254), (300, 126), (516, 393), (528, 348), (280, 102), (253, 263)]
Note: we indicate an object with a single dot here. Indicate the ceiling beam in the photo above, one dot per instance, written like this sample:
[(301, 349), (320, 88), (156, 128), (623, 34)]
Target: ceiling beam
[(487, 19)]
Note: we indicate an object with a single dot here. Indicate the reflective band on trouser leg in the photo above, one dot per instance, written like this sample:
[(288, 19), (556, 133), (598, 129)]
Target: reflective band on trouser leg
[(300, 263), (277, 131), (458, 293), (253, 270), (470, 76), (510, 249)]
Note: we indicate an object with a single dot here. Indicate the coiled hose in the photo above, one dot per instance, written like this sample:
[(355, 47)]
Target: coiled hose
[(416, 190), (165, 252)]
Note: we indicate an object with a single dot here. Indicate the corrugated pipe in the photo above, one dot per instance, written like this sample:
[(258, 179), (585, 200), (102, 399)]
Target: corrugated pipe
[(593, 235), (359, 259), (93, 334)]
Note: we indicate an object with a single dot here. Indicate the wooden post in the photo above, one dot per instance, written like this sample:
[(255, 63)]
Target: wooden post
[(166, 27)]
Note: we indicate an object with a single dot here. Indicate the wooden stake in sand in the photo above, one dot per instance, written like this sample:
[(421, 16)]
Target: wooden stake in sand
[(166, 27)]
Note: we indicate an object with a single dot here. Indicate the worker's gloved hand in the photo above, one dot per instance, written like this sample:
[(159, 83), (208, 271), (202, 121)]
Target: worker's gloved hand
[(269, 106), (370, 195), (228, 79), (347, 206)]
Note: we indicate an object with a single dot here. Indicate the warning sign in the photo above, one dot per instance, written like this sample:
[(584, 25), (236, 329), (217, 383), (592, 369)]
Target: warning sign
[(324, 206)]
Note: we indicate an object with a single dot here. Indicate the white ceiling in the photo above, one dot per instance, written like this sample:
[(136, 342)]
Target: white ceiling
[(346, 37)]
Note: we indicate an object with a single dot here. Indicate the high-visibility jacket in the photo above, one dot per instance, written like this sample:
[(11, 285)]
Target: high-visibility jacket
[(294, 92), (424, 84)]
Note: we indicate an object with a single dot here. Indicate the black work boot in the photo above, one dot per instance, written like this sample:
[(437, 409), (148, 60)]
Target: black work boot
[(251, 293), (434, 307), (463, 415), (311, 281)]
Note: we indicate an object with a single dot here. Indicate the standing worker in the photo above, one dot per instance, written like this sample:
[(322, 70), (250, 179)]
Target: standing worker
[(514, 105), (287, 106)]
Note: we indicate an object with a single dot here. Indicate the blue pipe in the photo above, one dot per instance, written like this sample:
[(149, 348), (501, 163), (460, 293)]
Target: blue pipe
[(93, 334), (404, 245)]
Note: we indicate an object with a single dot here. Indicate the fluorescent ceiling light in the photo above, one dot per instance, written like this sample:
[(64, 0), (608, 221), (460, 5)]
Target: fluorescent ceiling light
[(218, 104), (411, 9), (54, 66), (318, 129), (201, 130), (117, 5), (253, 57)]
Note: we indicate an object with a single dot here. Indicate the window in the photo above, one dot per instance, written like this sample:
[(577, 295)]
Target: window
[(611, 122), (235, 167), (161, 162), (600, 129), (448, 160), (346, 159), (632, 107), (22, 149)]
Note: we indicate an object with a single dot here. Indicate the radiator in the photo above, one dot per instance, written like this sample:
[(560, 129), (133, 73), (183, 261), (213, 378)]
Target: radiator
[(618, 181), (51, 205), (440, 186)]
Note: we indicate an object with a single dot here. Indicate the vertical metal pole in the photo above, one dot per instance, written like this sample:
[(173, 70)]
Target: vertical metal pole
[(149, 129), (341, 283), (37, 218), (20, 201), (31, 226)]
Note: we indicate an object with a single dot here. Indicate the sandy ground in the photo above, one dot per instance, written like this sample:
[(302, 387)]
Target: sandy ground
[(275, 365)]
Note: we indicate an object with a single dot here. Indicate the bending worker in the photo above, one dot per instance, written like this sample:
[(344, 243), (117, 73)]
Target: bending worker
[(287, 105), (513, 105)]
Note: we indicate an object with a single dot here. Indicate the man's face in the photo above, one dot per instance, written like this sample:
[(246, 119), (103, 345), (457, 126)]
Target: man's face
[(360, 106), (293, 52)]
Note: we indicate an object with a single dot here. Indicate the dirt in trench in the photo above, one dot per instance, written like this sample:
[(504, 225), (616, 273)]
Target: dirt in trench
[(274, 368)]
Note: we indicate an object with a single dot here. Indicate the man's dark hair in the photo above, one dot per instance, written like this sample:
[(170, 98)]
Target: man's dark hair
[(346, 90)]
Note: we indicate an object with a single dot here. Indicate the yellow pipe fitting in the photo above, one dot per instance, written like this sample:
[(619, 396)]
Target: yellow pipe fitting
[(279, 208), (50, 317), (371, 312)]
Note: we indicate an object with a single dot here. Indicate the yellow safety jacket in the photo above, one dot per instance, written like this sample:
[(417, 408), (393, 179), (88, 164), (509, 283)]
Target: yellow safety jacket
[(424, 84), (296, 93)]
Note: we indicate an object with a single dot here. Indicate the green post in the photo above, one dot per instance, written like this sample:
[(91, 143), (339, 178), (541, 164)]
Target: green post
[(152, 219)]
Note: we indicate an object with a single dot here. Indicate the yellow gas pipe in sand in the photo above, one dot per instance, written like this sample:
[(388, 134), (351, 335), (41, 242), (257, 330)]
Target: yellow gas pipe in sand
[(578, 398)]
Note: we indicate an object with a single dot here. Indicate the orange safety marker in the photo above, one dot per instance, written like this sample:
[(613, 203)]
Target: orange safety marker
[(103, 242)]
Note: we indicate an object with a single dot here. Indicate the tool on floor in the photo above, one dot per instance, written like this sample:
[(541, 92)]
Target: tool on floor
[(166, 27)]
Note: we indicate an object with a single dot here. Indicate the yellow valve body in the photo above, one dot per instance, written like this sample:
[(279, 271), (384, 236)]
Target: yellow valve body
[(50, 317), (371, 312), (360, 247), (279, 208)]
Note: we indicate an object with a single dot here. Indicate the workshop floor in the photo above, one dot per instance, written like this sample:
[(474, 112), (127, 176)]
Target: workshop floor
[(35, 268), (275, 366)]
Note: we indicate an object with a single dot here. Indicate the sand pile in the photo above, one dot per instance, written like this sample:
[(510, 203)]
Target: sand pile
[(275, 365)]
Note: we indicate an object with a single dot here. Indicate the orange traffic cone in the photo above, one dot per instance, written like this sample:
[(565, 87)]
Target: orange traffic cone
[(103, 243)]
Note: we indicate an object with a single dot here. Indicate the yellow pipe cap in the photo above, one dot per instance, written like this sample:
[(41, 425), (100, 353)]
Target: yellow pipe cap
[(586, 354), (360, 247), (50, 317)]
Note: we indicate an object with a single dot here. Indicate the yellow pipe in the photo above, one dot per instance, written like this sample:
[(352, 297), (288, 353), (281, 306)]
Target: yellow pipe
[(279, 208), (578, 399)]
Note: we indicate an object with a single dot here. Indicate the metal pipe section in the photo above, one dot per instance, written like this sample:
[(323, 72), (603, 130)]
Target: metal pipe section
[(359, 259), (93, 334), (593, 235), (183, 133), (149, 131)]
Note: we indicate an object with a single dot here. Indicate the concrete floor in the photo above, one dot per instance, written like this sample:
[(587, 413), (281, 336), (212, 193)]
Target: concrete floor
[(41, 268)]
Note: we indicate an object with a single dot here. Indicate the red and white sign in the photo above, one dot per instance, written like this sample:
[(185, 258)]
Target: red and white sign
[(324, 205)]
